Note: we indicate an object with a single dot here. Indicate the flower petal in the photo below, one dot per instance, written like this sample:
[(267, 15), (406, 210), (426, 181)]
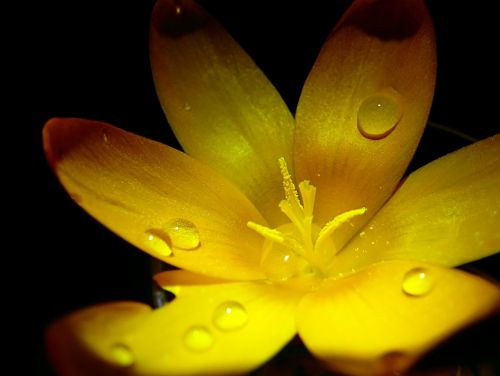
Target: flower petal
[(140, 189), (381, 319), (381, 52), (221, 107), (207, 329), (445, 213), (73, 341)]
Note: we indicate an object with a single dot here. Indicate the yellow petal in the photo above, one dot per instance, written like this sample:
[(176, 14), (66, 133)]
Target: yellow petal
[(381, 53), (221, 107), (380, 320), (445, 213), (208, 329), (155, 197), (73, 341)]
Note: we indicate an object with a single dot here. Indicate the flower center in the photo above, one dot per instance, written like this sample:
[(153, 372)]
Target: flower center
[(300, 247)]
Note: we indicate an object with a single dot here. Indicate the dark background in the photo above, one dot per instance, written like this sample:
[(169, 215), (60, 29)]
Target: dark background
[(89, 59)]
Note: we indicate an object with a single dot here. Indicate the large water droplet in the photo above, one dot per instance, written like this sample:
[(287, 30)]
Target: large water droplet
[(379, 114), (183, 234), (417, 282), (122, 355), (230, 316), (198, 338), (157, 243), (280, 263)]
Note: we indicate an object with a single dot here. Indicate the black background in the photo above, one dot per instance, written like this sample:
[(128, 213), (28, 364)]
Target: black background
[(89, 59)]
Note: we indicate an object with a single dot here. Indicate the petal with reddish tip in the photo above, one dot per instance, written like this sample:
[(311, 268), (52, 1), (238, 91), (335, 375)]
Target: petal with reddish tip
[(382, 319), (137, 187), (380, 57), (207, 329), (446, 213), (221, 107)]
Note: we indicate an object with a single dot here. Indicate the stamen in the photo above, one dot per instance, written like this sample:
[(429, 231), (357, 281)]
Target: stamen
[(297, 240), (335, 223), (295, 216), (308, 193), (276, 236), (291, 194), (268, 233)]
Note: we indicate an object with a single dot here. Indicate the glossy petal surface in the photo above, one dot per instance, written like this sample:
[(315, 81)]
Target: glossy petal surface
[(445, 213), (221, 107), (381, 319), (383, 48), (207, 329), (137, 187), (86, 342)]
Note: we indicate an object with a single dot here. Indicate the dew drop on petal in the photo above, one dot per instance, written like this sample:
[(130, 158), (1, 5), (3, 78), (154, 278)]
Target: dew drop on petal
[(187, 106), (417, 282), (183, 234), (122, 355), (198, 339), (379, 114), (230, 316), (158, 244)]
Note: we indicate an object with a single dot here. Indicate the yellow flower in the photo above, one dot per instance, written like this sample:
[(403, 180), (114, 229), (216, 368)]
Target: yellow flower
[(280, 226)]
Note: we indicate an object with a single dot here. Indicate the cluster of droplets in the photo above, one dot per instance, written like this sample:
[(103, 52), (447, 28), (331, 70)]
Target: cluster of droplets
[(178, 233), (227, 317), (231, 316)]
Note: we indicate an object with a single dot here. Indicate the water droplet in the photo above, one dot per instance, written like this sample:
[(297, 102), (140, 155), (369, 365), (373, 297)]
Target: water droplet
[(230, 316), (379, 114), (198, 338), (122, 355), (362, 234), (417, 282), (156, 242), (183, 234), (105, 136), (281, 263), (187, 106)]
